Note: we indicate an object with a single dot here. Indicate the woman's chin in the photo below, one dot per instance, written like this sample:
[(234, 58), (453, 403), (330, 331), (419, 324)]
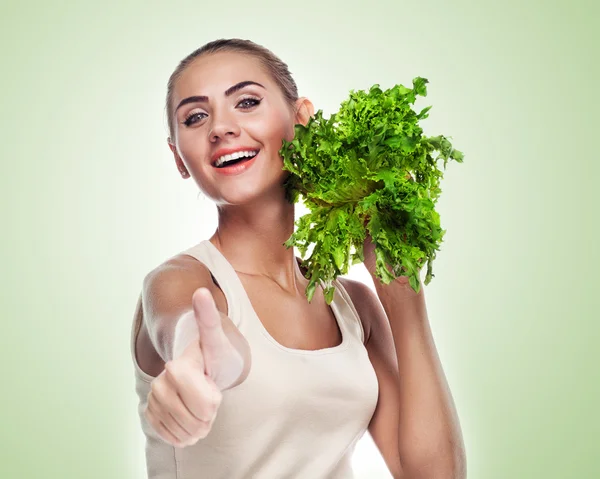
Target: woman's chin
[(252, 193)]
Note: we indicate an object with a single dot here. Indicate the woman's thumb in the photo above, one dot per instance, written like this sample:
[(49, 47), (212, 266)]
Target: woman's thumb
[(208, 319)]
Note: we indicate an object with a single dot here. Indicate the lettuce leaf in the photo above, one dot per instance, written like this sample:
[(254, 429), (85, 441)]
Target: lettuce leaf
[(367, 169)]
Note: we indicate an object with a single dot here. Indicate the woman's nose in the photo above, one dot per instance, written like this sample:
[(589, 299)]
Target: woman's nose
[(223, 125)]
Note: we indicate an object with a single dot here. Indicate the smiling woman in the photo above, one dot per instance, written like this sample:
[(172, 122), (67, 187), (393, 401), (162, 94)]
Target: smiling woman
[(238, 86), (237, 374)]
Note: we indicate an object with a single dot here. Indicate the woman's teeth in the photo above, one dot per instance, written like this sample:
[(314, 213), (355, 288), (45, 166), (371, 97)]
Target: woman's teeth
[(234, 156)]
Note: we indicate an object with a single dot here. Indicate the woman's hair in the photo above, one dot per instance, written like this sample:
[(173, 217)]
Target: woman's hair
[(273, 64)]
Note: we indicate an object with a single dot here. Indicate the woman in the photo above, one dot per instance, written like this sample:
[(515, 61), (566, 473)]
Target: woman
[(238, 375)]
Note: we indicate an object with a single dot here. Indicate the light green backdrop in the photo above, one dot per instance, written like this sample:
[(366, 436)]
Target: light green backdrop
[(91, 201)]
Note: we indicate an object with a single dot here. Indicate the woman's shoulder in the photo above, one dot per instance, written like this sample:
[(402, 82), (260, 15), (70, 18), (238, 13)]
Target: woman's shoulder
[(179, 274), (180, 264)]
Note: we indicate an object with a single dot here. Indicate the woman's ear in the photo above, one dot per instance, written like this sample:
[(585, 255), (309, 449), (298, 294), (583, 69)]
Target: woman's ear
[(180, 166), (304, 110)]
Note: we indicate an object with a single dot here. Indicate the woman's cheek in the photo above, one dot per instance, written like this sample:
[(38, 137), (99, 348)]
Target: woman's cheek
[(193, 151), (278, 127), (289, 134), (200, 169)]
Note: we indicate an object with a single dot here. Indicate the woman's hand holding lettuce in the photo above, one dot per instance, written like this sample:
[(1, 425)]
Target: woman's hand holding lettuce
[(367, 169)]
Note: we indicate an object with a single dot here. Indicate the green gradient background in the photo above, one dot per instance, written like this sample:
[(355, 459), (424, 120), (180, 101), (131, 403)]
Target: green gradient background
[(91, 201)]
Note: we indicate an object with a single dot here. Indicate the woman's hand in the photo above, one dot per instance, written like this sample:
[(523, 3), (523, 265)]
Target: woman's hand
[(185, 398), (370, 261)]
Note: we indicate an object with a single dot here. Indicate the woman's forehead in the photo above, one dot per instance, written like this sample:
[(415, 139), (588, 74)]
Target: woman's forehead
[(211, 75)]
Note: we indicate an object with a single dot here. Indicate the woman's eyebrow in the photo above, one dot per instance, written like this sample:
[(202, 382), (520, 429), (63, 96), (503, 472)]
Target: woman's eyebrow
[(240, 85), (230, 91)]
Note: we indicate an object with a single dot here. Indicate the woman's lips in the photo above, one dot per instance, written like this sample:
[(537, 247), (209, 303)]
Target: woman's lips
[(237, 168)]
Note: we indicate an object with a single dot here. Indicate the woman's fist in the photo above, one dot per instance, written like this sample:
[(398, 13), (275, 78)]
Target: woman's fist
[(184, 399)]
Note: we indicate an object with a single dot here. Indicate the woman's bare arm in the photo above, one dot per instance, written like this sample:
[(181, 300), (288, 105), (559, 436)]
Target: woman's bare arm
[(167, 307), (415, 425)]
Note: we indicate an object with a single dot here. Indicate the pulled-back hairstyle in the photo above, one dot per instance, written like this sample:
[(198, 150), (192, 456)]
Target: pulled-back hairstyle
[(273, 64)]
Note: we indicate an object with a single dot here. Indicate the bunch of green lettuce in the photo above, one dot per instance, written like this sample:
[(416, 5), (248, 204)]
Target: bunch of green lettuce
[(368, 168)]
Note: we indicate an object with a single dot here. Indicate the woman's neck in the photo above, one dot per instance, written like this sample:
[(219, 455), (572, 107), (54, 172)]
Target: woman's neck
[(251, 237)]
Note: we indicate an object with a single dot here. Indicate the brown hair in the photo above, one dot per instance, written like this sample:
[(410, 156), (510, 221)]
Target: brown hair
[(273, 64)]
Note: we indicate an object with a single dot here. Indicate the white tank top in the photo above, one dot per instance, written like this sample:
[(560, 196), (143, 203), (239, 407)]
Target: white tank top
[(298, 414)]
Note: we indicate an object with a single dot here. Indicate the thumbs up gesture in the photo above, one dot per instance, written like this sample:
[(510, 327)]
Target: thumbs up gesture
[(184, 398)]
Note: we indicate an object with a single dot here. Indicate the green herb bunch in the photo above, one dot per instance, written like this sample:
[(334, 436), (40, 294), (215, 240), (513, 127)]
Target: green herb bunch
[(367, 169)]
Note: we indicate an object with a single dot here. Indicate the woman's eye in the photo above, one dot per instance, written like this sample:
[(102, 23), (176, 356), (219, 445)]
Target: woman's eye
[(244, 104), (248, 103), (191, 119)]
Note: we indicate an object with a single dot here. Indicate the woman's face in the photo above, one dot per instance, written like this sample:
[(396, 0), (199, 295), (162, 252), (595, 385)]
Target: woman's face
[(253, 116)]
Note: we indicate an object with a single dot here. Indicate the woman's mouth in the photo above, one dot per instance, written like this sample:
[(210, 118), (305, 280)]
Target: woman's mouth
[(234, 157), (235, 163)]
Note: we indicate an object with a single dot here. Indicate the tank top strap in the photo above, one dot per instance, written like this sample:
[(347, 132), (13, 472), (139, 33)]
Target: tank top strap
[(347, 311), (223, 274)]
